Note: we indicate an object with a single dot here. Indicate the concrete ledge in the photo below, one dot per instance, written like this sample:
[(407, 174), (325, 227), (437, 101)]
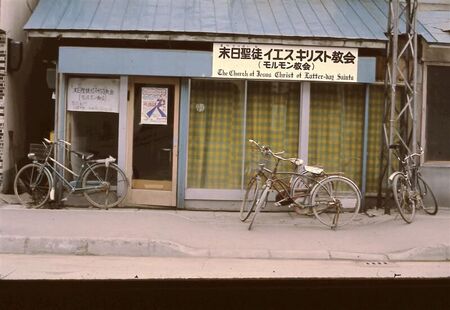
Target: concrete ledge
[(357, 256), (438, 252), (165, 248), (13, 244), (102, 247)]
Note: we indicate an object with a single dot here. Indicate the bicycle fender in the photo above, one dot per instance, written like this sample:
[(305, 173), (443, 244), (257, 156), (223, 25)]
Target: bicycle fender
[(106, 161), (392, 176)]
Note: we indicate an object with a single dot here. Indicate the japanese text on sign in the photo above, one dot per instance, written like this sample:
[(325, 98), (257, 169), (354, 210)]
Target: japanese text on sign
[(279, 62), (93, 95)]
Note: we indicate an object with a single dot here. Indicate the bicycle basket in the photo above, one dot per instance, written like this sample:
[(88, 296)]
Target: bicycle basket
[(40, 150)]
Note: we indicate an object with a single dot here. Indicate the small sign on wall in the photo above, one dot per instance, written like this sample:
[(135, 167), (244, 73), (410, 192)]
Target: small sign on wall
[(93, 95), (154, 105)]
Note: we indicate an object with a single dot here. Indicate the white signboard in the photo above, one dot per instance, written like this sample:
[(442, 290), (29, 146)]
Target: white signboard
[(283, 62), (93, 95), (154, 105)]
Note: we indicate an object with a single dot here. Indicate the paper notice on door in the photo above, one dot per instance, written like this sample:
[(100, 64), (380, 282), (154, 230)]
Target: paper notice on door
[(154, 102)]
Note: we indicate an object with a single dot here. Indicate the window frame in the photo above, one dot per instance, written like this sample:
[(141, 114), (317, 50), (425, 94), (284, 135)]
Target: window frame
[(423, 139), (236, 194)]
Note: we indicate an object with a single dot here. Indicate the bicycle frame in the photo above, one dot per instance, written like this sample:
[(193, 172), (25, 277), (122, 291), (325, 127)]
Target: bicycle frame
[(308, 187), (410, 170), (72, 186), (280, 185), (283, 186)]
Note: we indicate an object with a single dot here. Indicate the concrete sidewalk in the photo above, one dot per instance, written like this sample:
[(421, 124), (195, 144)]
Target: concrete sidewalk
[(175, 233)]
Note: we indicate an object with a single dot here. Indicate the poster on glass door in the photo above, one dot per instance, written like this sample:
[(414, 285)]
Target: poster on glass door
[(154, 105)]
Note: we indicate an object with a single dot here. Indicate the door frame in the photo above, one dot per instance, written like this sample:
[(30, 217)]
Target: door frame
[(153, 197)]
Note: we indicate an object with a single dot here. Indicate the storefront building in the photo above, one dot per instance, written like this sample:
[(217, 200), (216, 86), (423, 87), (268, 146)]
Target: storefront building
[(435, 66), (175, 91)]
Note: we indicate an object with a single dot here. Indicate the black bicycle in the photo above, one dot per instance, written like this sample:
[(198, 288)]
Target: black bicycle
[(410, 189)]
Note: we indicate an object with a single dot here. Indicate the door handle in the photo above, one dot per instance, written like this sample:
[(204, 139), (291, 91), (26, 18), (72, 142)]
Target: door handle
[(170, 153)]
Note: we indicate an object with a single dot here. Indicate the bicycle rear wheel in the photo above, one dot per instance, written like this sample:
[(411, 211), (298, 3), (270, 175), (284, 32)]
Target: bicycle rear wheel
[(335, 201), (251, 195), (401, 190), (429, 203), (107, 186), (32, 185)]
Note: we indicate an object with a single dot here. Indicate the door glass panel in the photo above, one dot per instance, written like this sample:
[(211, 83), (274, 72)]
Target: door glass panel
[(153, 137)]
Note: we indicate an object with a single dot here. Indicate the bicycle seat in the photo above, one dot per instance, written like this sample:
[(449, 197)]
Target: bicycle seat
[(83, 155), (314, 170)]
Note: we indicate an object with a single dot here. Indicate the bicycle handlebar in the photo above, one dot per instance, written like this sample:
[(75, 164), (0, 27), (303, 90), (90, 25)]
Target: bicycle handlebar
[(412, 155), (397, 146), (266, 150), (57, 142)]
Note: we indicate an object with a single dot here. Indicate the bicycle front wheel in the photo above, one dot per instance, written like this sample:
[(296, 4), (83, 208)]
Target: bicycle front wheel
[(335, 201), (32, 185), (105, 186), (429, 203), (251, 195), (261, 201), (401, 190)]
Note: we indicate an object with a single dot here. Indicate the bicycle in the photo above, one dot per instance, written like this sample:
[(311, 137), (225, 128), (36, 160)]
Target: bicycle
[(410, 189), (333, 199), (101, 181)]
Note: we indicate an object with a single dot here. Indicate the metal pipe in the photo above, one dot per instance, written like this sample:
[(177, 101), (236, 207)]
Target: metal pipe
[(365, 147)]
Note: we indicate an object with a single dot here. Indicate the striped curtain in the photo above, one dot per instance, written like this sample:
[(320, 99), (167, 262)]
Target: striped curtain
[(272, 119), (215, 134)]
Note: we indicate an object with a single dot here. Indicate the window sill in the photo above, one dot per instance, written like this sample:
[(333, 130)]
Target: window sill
[(437, 164)]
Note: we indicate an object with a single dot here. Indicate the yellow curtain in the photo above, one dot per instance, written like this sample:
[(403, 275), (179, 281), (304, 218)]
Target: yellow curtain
[(272, 119), (215, 135), (374, 143), (336, 128)]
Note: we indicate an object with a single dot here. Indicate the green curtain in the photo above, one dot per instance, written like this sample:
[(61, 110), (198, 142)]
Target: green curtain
[(272, 119), (215, 135), (336, 128), (374, 143)]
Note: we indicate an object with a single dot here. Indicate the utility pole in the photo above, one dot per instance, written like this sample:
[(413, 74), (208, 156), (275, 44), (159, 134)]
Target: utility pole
[(400, 120)]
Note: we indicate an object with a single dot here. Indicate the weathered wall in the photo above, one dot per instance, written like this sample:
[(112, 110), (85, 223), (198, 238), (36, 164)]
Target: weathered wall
[(13, 15)]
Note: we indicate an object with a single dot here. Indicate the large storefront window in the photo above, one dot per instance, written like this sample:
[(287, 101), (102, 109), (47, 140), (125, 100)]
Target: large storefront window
[(374, 144), (272, 119), (438, 114), (215, 134), (216, 129), (93, 132), (336, 130)]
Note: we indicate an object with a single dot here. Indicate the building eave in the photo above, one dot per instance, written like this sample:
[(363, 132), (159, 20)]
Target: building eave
[(206, 37)]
